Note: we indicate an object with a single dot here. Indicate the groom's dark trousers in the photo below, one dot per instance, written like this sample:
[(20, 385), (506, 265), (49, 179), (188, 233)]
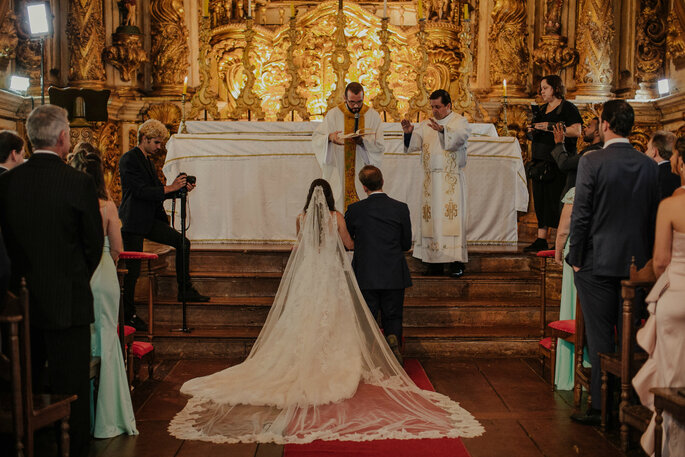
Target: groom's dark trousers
[(381, 230)]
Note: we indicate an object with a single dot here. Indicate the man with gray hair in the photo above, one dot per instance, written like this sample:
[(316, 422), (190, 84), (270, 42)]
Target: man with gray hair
[(660, 149), (50, 219)]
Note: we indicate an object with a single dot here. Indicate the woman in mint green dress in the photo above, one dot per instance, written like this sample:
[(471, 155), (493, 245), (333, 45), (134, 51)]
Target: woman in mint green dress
[(113, 409)]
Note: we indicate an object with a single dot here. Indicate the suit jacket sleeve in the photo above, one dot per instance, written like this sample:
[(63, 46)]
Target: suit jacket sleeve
[(4, 268), (348, 221), (406, 228), (91, 226), (581, 217), (565, 161), (136, 178)]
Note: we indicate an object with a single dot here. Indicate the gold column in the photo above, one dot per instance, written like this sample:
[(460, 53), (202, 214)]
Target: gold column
[(169, 53), (86, 37), (594, 41), (551, 53), (292, 101), (651, 47), (508, 50), (463, 101), (340, 61)]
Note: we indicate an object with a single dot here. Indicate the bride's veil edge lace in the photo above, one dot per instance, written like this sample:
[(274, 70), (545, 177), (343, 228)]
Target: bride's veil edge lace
[(405, 411)]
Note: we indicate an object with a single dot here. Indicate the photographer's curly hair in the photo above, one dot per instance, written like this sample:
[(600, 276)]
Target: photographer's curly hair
[(86, 158), (152, 128)]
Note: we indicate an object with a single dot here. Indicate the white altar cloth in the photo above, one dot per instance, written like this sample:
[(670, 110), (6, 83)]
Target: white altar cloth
[(253, 177)]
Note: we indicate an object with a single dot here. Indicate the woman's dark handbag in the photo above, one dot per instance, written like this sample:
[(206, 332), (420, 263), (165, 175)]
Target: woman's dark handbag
[(540, 170)]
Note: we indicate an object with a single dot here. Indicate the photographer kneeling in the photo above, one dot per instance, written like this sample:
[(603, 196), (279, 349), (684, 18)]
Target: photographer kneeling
[(143, 216)]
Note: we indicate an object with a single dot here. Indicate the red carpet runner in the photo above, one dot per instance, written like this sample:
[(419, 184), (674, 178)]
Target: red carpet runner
[(452, 447)]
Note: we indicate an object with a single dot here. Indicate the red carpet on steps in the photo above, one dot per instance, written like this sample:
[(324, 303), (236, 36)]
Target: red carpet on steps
[(444, 447)]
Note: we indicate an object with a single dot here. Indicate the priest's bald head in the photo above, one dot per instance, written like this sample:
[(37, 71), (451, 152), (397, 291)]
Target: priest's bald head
[(354, 97)]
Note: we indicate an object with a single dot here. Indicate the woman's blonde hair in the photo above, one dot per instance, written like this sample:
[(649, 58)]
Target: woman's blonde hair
[(86, 158), (152, 128)]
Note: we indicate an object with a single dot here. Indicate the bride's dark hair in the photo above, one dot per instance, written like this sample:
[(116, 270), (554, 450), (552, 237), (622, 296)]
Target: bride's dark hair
[(327, 192)]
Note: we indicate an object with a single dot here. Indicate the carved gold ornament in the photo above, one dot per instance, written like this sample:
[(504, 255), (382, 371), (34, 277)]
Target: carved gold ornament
[(594, 41), (126, 54), (169, 53), (508, 51), (86, 38), (8, 35), (675, 40)]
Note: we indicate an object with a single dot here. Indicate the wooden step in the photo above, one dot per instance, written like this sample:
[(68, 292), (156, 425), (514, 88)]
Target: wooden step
[(471, 285)]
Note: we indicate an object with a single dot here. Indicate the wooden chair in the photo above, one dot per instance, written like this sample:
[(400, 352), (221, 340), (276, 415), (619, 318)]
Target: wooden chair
[(152, 271), (22, 412), (627, 362), (565, 330), (672, 400), (581, 375)]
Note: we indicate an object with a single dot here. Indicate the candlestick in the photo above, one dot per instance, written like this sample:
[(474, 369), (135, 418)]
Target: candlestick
[(385, 8), (185, 85), (504, 88), (466, 11), (419, 10), (292, 9), (182, 126), (249, 8)]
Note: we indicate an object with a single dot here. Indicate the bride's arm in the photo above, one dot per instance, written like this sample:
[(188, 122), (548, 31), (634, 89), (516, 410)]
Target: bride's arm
[(342, 231), (663, 238), (297, 225)]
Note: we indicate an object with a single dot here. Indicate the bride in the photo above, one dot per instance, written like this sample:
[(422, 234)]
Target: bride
[(320, 368)]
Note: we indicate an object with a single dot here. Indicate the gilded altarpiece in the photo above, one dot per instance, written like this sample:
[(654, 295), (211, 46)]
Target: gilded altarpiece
[(594, 41), (312, 58), (86, 36)]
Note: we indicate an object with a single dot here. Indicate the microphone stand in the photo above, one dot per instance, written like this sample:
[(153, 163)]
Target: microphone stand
[(183, 195)]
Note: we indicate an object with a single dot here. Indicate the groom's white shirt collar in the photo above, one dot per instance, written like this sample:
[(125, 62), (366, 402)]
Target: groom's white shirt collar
[(376, 192)]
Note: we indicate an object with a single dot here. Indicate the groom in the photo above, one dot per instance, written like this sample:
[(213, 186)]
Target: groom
[(381, 230)]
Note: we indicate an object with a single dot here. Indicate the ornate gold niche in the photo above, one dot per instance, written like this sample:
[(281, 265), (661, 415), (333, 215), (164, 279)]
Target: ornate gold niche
[(312, 59)]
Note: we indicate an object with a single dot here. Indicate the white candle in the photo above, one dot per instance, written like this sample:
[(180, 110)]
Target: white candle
[(249, 8), (385, 8), (185, 85), (504, 86)]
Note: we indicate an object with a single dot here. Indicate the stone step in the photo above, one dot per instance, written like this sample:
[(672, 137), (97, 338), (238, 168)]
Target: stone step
[(471, 286), (274, 259), (236, 341)]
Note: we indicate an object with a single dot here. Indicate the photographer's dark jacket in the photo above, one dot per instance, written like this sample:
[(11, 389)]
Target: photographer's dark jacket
[(543, 141), (142, 193), (568, 163)]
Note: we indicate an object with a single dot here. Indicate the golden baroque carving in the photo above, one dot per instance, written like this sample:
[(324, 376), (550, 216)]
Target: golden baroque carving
[(640, 135), (108, 143), (508, 50), (86, 38), (292, 101), (313, 53), (385, 101), (419, 102), (552, 54), (594, 41), (170, 50), (247, 101), (205, 97), (8, 34), (651, 40), (675, 39), (28, 59), (340, 61), (518, 120), (126, 54)]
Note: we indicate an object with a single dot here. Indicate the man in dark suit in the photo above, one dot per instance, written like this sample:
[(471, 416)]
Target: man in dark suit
[(11, 150), (143, 216), (660, 149), (50, 219), (568, 163), (381, 229), (613, 221)]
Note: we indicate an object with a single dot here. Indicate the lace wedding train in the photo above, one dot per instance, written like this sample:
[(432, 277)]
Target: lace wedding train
[(320, 368)]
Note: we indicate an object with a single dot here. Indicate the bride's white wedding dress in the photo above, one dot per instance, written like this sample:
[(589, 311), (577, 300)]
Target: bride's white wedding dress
[(320, 368)]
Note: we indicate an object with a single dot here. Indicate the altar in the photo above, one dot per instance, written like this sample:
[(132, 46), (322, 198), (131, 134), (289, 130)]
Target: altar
[(253, 178)]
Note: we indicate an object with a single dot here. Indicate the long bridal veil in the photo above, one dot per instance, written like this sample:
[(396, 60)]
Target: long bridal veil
[(320, 368)]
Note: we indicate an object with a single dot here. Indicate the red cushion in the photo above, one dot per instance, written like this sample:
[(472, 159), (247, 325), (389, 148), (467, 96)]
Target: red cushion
[(568, 326), (141, 348), (546, 343), (128, 330), (137, 255), (548, 253)]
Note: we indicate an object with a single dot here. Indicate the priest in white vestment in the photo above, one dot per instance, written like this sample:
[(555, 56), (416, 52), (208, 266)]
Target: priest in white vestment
[(442, 140), (341, 152)]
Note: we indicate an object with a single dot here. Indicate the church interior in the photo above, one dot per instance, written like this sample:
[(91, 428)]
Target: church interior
[(241, 85)]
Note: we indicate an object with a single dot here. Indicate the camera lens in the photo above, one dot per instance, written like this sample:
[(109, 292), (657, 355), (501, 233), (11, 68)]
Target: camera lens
[(191, 179)]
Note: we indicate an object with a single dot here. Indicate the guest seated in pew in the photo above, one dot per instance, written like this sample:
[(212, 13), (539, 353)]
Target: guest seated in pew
[(663, 336), (53, 233), (143, 215), (114, 411), (612, 222)]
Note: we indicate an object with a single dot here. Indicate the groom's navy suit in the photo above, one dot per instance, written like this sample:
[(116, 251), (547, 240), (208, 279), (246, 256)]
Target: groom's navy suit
[(381, 230), (613, 221)]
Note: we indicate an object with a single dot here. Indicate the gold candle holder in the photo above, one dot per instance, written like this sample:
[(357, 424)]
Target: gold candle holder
[(385, 101), (182, 126), (292, 102), (205, 97), (340, 61), (419, 102), (248, 102)]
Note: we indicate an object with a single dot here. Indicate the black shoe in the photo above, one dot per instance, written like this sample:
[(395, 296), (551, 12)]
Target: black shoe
[(536, 246), (434, 269), (395, 347), (456, 270), (590, 417), (137, 323), (192, 295)]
